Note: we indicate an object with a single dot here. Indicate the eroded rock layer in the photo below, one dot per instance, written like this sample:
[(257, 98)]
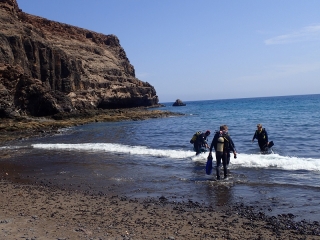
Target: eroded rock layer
[(48, 67)]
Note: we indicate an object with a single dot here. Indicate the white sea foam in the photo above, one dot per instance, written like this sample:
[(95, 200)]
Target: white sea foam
[(11, 147), (243, 160), (119, 148), (277, 161)]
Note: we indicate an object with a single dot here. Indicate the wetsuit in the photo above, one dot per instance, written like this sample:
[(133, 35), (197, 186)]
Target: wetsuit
[(222, 152), (200, 141), (230, 149), (262, 137)]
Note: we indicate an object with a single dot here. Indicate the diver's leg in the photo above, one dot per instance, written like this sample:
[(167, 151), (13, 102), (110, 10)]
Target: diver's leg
[(262, 146), (224, 163), (228, 158), (196, 148), (218, 160)]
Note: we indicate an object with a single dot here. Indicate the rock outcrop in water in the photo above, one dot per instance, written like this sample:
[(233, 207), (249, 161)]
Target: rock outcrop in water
[(178, 103), (48, 67)]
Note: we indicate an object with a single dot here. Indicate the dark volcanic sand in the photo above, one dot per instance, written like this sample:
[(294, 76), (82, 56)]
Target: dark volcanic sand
[(41, 212)]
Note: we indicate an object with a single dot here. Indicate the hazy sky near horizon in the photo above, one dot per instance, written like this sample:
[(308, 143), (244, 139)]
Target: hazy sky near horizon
[(206, 49)]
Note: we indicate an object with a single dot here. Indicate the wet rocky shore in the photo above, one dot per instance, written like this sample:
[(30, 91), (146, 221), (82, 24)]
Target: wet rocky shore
[(25, 127), (40, 210)]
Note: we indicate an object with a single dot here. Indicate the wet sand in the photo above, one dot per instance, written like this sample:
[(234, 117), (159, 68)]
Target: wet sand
[(40, 211)]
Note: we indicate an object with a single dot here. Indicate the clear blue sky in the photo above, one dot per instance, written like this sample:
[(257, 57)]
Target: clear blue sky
[(206, 49)]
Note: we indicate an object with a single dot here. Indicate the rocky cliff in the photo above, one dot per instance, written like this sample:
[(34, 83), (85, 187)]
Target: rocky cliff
[(48, 67)]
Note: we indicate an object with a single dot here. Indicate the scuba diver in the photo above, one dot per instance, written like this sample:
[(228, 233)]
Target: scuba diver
[(262, 136), (222, 144), (231, 146), (199, 141)]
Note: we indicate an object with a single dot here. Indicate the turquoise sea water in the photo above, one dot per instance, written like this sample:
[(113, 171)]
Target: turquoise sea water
[(154, 158)]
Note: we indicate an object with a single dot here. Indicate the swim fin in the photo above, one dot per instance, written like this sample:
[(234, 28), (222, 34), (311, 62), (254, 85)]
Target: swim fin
[(209, 165), (270, 144)]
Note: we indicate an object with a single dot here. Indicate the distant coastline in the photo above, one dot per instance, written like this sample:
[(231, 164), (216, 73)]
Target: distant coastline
[(225, 99)]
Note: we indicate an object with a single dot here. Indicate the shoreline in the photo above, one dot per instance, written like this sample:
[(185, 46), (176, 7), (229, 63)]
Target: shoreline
[(40, 211), (26, 127)]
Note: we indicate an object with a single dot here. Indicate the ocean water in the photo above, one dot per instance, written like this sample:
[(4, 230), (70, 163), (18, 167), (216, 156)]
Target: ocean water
[(154, 158)]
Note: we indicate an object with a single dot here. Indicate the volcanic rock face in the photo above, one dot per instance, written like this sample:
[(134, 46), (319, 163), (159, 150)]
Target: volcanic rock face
[(48, 67)]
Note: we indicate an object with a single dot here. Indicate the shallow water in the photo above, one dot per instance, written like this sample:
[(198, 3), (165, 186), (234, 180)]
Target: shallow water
[(154, 157)]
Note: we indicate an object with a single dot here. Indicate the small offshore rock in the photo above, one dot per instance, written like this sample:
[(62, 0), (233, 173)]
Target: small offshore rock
[(178, 102)]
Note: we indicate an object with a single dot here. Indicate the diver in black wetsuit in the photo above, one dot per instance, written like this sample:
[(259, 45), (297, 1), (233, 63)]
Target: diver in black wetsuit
[(232, 148), (201, 141), (222, 144), (262, 136)]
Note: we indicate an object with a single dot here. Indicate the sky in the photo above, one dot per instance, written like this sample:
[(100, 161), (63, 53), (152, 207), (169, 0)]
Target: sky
[(206, 49)]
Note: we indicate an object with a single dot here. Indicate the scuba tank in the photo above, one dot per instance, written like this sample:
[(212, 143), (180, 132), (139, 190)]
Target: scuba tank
[(220, 144), (195, 136)]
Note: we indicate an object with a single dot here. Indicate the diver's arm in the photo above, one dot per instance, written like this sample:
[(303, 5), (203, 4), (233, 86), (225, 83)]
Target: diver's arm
[(232, 144), (211, 146), (232, 147), (213, 143), (254, 136), (266, 136)]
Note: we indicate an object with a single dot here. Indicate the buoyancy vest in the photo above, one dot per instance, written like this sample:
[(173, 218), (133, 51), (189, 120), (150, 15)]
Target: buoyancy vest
[(195, 136), (261, 135)]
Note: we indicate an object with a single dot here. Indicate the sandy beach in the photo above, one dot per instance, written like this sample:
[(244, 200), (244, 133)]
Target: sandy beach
[(38, 212), (42, 211)]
